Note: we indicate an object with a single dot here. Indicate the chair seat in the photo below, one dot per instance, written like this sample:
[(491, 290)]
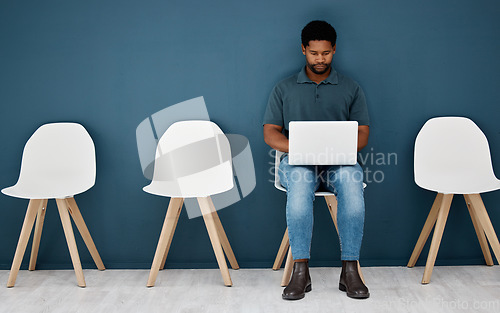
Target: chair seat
[(463, 186), (200, 184), (174, 190), (319, 192), (45, 190)]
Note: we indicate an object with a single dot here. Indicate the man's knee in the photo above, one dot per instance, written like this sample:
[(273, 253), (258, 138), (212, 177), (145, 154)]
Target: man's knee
[(351, 174), (299, 211), (347, 177), (300, 176)]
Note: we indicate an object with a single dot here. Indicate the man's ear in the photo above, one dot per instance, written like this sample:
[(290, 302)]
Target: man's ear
[(334, 48), (303, 49)]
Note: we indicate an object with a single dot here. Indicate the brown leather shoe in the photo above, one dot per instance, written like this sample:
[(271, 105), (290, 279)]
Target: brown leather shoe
[(350, 281), (299, 284)]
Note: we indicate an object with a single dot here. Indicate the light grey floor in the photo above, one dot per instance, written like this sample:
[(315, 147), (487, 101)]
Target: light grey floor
[(393, 289)]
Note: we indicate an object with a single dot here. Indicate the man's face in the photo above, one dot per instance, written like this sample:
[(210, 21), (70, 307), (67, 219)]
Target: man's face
[(319, 55)]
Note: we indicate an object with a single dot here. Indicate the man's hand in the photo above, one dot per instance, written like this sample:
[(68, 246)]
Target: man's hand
[(363, 133), (275, 138)]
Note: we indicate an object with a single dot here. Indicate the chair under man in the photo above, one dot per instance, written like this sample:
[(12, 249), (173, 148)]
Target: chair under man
[(452, 156), (193, 160), (58, 162), (331, 202)]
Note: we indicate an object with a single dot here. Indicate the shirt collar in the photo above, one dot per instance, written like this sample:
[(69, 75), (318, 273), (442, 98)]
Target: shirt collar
[(302, 77)]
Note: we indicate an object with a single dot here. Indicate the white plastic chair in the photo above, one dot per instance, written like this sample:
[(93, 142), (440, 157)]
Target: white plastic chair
[(193, 160), (452, 156), (58, 162), (331, 202)]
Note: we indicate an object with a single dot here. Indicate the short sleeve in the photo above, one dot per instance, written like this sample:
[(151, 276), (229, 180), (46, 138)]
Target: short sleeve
[(358, 110), (274, 109)]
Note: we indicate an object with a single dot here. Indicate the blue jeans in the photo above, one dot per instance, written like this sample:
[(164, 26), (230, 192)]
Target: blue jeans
[(346, 182)]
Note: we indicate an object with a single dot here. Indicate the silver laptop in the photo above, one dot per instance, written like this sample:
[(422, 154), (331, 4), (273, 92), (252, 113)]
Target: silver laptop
[(323, 143)]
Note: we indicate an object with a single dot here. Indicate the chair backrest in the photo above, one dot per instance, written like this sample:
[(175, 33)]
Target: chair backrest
[(452, 156), (60, 157), (193, 159)]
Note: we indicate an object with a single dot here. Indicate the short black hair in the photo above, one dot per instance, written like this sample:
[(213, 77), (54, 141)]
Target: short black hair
[(318, 30)]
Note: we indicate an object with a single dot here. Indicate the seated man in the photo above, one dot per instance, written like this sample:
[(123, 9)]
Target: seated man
[(319, 93)]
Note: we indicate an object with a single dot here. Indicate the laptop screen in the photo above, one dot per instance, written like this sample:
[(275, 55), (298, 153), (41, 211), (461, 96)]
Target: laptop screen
[(323, 142)]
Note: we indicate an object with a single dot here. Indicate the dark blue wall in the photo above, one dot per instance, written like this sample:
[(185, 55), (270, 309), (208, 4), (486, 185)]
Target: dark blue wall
[(109, 65)]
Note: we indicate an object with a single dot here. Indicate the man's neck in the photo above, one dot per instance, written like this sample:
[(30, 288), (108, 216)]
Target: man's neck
[(317, 78)]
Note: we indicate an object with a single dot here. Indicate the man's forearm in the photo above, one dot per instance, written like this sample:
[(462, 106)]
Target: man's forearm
[(275, 138), (279, 142), (363, 133)]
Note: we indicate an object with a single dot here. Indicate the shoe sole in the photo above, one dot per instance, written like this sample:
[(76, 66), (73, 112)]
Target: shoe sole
[(308, 288), (343, 288)]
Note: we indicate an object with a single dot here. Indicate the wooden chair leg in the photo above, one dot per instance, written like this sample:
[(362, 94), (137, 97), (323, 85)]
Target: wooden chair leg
[(29, 220), (484, 220), (288, 269), (214, 238), (426, 230), (167, 231), (285, 244), (483, 242), (70, 239), (360, 272), (223, 237), (40, 217), (171, 235), (436, 237), (331, 202), (84, 232)]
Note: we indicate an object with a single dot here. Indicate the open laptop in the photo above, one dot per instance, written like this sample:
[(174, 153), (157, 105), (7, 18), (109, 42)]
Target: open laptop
[(323, 143)]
